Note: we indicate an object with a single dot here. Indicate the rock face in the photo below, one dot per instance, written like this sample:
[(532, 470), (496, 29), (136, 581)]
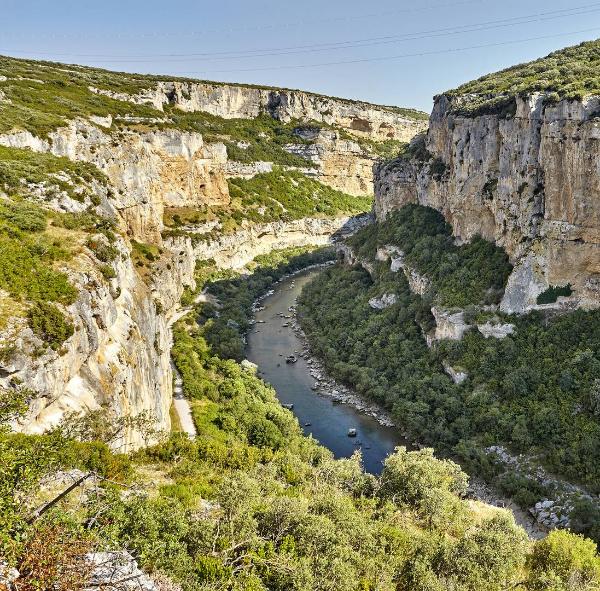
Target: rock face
[(120, 351), (149, 171), (385, 301), (449, 324), (233, 101), (339, 163), (528, 181), (417, 282)]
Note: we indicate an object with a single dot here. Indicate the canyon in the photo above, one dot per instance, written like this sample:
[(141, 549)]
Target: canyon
[(119, 355)]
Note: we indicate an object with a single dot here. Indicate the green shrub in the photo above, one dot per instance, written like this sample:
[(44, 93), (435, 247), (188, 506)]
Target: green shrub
[(472, 273), (108, 272), (569, 73), (24, 216), (552, 293), (565, 562), (19, 167), (50, 324), (26, 271), (289, 195)]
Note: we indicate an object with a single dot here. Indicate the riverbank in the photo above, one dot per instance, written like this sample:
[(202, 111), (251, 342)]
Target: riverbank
[(322, 385), (270, 340)]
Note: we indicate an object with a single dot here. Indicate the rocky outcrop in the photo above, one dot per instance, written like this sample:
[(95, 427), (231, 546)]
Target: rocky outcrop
[(119, 353), (339, 163), (233, 101), (528, 181), (449, 324), (417, 282), (148, 171), (458, 376), (383, 302), (245, 170), (496, 331), (235, 251)]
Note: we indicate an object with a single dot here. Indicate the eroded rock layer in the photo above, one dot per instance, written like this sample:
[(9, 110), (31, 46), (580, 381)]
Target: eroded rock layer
[(529, 180)]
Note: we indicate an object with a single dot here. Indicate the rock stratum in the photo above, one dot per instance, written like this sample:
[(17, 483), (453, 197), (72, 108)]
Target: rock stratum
[(528, 179), (119, 353)]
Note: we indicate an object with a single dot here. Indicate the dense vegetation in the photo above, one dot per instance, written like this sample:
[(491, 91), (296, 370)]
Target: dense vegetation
[(471, 273), (280, 195), (253, 504), (570, 73), (290, 195), (535, 391)]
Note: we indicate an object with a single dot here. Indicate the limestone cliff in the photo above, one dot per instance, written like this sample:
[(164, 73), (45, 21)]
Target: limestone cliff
[(232, 101), (332, 142), (528, 179), (166, 150), (120, 352)]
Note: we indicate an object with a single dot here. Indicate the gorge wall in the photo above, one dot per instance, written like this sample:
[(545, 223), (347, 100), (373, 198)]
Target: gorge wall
[(119, 353), (528, 180)]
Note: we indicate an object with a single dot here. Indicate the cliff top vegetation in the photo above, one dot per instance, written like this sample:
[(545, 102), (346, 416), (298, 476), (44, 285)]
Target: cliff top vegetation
[(42, 96), (570, 73)]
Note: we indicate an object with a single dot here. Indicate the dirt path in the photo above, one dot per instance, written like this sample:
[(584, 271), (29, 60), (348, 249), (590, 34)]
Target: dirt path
[(182, 406)]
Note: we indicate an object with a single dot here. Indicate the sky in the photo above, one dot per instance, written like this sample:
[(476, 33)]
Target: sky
[(394, 52)]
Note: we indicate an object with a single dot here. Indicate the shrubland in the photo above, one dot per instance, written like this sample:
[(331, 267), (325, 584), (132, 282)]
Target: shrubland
[(459, 275), (280, 195), (253, 504), (533, 392), (570, 73), (290, 195), (38, 243)]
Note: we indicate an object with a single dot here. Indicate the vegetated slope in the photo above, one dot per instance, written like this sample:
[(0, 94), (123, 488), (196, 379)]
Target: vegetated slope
[(533, 391), (471, 273), (253, 504), (570, 73)]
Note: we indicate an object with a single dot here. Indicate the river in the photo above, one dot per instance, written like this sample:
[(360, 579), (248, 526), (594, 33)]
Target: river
[(328, 421)]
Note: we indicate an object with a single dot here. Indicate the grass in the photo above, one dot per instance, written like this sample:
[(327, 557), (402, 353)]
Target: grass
[(144, 256), (175, 421), (265, 137), (570, 73), (284, 195)]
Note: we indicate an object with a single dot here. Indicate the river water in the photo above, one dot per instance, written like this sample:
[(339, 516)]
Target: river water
[(269, 343)]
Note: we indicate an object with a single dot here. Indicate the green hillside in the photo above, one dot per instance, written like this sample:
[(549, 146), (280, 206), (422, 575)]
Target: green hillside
[(570, 73)]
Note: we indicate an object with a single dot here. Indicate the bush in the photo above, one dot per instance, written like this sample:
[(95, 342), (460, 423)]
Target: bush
[(550, 295), (49, 324), (290, 195), (23, 215), (565, 562), (569, 73), (472, 273)]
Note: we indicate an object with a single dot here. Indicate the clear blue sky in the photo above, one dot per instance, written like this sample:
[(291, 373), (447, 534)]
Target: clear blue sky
[(264, 41)]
